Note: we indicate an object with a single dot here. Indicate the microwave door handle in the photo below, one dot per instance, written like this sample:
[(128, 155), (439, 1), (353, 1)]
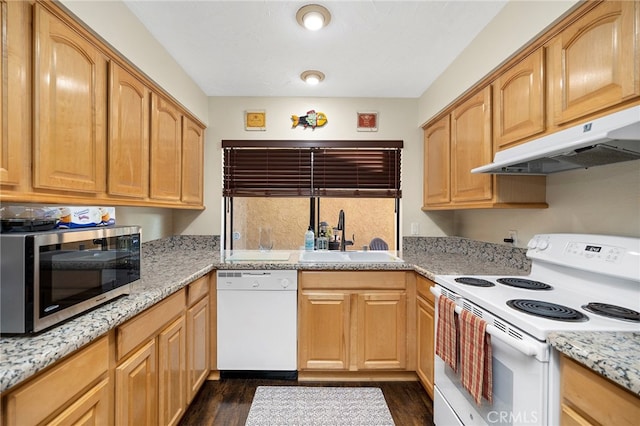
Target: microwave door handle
[(521, 346)]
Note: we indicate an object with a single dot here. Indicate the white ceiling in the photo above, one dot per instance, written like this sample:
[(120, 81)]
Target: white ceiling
[(371, 48)]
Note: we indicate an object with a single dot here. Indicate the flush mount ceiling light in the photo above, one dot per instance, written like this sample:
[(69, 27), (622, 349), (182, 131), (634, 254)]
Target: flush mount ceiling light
[(313, 17), (312, 77)]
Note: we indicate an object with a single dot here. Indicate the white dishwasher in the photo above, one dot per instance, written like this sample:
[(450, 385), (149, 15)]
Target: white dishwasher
[(257, 323)]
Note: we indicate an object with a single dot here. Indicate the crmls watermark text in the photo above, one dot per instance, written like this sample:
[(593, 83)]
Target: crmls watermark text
[(509, 417)]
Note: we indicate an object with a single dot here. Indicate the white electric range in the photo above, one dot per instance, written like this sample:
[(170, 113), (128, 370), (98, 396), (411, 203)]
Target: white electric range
[(580, 280)]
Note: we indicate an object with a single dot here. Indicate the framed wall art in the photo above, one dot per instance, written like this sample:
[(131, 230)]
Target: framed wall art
[(367, 121), (255, 120)]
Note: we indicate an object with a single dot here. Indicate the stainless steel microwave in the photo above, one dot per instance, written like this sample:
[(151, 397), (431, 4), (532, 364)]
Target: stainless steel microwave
[(49, 277)]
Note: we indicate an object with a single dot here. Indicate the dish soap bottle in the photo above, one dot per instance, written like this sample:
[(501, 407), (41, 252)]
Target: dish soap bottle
[(309, 239)]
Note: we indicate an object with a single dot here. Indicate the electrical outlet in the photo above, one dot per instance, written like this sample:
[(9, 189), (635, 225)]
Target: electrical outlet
[(415, 228), (513, 235)]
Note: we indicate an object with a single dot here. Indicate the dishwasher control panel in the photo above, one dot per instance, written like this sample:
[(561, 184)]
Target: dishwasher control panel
[(257, 280)]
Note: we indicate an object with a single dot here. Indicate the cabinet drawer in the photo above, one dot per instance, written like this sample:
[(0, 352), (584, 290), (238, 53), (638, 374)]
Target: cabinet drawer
[(422, 287), (142, 327), (197, 290), (367, 280), (33, 403), (594, 397)]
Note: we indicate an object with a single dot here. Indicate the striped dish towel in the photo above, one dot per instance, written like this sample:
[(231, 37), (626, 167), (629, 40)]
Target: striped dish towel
[(475, 357), (447, 339)]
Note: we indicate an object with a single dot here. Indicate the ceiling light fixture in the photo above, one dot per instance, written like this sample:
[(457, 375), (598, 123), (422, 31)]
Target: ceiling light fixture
[(313, 17), (312, 77)]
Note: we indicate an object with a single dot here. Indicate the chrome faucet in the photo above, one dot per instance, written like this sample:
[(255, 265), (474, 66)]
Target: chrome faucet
[(341, 226)]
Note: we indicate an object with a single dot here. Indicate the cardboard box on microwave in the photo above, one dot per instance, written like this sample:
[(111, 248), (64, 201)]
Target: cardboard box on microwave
[(84, 217)]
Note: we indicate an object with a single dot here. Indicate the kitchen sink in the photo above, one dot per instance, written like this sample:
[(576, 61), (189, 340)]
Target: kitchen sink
[(348, 257)]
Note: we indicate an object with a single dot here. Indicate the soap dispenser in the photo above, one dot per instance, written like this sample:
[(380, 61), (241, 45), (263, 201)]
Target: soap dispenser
[(309, 239)]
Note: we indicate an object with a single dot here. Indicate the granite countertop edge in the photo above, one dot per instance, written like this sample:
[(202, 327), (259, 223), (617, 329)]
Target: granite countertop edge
[(614, 355), (171, 268)]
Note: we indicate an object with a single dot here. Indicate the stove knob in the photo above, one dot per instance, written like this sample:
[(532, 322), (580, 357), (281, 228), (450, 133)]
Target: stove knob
[(533, 243), (284, 282), (543, 244)]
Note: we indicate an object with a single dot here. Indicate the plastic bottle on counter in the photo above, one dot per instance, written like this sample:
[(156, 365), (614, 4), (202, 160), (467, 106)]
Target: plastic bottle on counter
[(309, 239)]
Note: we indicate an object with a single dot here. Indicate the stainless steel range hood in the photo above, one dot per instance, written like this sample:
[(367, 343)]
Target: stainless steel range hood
[(610, 139)]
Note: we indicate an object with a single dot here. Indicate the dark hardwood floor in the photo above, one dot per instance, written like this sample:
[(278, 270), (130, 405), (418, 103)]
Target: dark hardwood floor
[(226, 402)]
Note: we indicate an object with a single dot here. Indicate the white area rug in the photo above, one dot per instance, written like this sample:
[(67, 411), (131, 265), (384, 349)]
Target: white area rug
[(300, 405)]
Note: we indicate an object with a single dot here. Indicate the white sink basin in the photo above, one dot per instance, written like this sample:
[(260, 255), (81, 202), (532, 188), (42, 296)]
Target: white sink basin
[(348, 257)]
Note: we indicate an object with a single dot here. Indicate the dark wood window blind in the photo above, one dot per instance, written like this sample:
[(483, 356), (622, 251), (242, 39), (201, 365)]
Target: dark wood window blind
[(312, 169)]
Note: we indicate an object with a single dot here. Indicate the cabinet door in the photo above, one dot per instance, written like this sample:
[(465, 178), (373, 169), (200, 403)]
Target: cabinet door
[(136, 388), (518, 99), (426, 350), (471, 147), (192, 162), (594, 62), (382, 330), (323, 330), (70, 108), (128, 135), (14, 90), (437, 163), (91, 409), (197, 346), (172, 373), (166, 149)]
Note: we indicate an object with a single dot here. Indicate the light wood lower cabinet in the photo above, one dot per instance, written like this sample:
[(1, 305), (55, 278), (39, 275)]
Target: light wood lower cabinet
[(425, 314), (172, 372), (77, 390), (590, 399), (137, 387), (354, 321), (198, 335)]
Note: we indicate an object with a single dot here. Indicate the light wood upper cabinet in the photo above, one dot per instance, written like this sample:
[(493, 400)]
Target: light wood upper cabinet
[(519, 102), (594, 62), (70, 107), (437, 163), (128, 134), (166, 150), (192, 161), (471, 147)]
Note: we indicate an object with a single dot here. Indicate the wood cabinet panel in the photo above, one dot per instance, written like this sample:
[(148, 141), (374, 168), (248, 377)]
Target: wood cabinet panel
[(62, 385), (166, 150), (70, 106), (128, 134), (137, 388), (471, 147), (324, 334), (425, 333), (198, 317), (172, 372), (381, 330), (519, 102), (437, 163), (590, 399), (594, 62), (92, 409), (192, 162), (15, 91)]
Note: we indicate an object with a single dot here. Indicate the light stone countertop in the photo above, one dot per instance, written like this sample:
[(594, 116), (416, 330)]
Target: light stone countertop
[(614, 355), (172, 263)]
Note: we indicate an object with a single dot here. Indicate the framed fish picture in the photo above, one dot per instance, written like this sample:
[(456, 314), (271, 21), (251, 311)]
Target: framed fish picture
[(367, 122), (255, 120)]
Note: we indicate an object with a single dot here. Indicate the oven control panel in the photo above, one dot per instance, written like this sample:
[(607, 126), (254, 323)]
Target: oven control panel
[(604, 254)]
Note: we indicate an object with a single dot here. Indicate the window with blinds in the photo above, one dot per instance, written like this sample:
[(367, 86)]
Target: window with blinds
[(312, 169)]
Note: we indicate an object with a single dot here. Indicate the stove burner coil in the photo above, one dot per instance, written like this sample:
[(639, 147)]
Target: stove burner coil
[(547, 310), (524, 283), (476, 282), (612, 311)]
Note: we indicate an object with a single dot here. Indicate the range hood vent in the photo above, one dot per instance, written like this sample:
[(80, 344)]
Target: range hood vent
[(607, 140)]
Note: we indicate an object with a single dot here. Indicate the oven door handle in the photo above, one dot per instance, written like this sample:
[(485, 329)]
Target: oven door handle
[(521, 346)]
